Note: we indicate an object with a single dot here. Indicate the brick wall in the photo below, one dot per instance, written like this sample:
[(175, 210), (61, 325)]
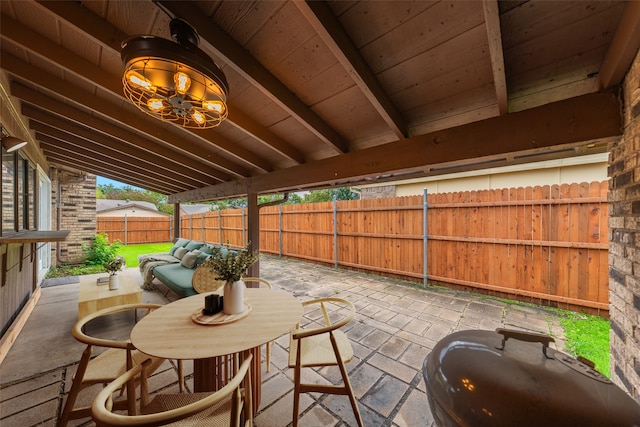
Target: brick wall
[(76, 206), (624, 249), (378, 192)]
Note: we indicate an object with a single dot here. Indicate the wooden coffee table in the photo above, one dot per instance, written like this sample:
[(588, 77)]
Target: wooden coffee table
[(94, 297)]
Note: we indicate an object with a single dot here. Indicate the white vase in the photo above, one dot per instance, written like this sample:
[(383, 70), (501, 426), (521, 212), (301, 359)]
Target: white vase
[(113, 282), (233, 302)]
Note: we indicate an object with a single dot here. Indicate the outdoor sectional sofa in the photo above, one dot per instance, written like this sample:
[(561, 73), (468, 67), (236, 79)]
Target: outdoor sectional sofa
[(175, 268)]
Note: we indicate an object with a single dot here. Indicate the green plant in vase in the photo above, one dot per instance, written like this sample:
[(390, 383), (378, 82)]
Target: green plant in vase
[(229, 265)]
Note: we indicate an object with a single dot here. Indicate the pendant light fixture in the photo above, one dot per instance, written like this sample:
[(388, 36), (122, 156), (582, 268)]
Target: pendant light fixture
[(175, 81), (11, 143)]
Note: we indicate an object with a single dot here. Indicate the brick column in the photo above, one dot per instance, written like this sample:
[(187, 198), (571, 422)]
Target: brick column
[(77, 209), (624, 248)]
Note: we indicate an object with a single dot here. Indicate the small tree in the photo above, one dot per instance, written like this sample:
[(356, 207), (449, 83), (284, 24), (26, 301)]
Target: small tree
[(101, 251)]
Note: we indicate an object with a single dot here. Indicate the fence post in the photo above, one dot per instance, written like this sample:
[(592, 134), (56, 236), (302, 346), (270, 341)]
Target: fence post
[(203, 236), (335, 231), (425, 239), (220, 225), (126, 230), (280, 230), (244, 235)]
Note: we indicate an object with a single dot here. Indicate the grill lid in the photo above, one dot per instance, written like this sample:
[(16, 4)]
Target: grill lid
[(507, 378)]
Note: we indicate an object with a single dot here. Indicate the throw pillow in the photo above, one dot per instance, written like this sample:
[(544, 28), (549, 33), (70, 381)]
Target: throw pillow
[(180, 252), (189, 259), (180, 243), (194, 245)]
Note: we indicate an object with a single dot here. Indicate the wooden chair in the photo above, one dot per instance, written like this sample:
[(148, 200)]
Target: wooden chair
[(119, 356), (229, 406), (324, 345)]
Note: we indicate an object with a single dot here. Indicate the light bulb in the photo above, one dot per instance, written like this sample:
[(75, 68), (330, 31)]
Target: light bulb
[(155, 104), (182, 81), (216, 106), (198, 117), (138, 80)]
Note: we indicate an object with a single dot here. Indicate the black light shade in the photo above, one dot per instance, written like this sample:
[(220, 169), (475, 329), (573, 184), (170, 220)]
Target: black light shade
[(175, 81), (11, 143)]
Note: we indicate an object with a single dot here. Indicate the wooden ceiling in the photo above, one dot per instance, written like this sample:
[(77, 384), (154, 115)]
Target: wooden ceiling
[(322, 93)]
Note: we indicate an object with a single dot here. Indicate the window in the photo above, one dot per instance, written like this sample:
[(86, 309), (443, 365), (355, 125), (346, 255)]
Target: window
[(8, 192), (18, 193)]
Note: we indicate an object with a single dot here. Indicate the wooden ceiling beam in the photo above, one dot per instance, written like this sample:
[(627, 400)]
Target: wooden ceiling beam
[(108, 110), (165, 157), (111, 38), (494, 37), (246, 124), (623, 48), (236, 57), (135, 122), (56, 54), (583, 118), (105, 149), (103, 33), (93, 74), (55, 146), (329, 29), (58, 159)]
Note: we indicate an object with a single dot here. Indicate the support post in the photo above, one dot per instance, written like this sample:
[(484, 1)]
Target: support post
[(243, 226), (176, 221), (253, 230)]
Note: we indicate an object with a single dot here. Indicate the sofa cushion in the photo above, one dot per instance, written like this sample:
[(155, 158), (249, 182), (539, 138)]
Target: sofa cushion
[(189, 259), (202, 258), (180, 243), (206, 249), (193, 245), (177, 278), (180, 252)]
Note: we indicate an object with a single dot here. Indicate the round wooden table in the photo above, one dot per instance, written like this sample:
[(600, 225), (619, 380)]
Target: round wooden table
[(169, 332)]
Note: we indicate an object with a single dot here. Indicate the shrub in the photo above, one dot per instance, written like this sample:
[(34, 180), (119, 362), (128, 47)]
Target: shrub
[(101, 251)]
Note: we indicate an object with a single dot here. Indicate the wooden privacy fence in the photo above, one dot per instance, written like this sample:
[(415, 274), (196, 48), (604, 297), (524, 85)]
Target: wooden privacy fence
[(542, 244), (131, 230)]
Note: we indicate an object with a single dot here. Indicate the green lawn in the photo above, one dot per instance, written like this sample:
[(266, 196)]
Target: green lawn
[(131, 252), (588, 336)]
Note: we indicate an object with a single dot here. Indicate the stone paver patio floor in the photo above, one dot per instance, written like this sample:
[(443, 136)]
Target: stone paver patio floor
[(396, 325)]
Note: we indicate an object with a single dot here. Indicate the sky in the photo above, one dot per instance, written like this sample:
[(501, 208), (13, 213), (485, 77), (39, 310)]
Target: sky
[(106, 181)]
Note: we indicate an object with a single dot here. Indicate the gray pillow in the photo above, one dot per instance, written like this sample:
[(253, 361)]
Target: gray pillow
[(189, 259), (180, 243), (180, 252)]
